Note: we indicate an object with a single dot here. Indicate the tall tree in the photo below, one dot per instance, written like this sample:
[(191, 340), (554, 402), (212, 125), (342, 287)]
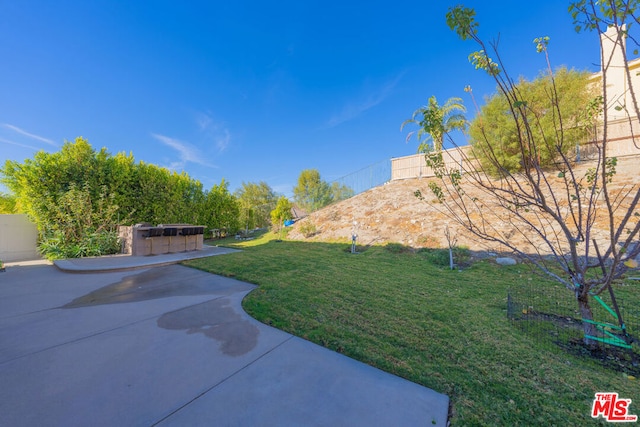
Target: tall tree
[(220, 209), (8, 204), (435, 121), (567, 217), (494, 123), (341, 191), (82, 189), (312, 193), (39, 181), (257, 200)]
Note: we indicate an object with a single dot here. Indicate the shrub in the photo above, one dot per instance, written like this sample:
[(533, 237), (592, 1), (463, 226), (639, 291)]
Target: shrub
[(440, 257), (80, 225), (359, 248), (435, 256), (79, 192), (428, 241), (308, 229), (56, 246), (397, 248)]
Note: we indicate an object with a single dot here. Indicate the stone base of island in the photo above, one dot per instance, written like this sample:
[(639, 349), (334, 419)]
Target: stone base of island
[(144, 239)]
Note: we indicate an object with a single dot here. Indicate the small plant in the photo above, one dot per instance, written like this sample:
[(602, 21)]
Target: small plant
[(308, 229), (397, 248), (334, 216), (56, 246), (358, 248), (440, 257), (284, 232), (428, 241)]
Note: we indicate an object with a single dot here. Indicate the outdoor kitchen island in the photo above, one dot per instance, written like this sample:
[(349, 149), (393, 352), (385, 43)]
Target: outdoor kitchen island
[(144, 239)]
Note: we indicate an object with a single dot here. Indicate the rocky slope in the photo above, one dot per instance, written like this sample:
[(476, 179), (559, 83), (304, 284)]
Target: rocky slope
[(392, 213)]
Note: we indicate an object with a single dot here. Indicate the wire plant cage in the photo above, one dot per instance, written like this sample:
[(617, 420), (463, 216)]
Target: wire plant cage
[(548, 314)]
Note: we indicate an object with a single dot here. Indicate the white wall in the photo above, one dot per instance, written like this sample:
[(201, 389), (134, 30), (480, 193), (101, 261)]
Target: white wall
[(619, 85), (18, 238)]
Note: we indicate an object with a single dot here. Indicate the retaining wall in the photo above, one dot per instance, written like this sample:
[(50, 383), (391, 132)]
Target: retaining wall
[(18, 238)]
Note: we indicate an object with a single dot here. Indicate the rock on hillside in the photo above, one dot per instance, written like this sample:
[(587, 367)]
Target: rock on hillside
[(391, 213)]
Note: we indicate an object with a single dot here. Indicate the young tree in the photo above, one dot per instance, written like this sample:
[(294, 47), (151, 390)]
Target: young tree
[(567, 217), (312, 193), (281, 213), (436, 121)]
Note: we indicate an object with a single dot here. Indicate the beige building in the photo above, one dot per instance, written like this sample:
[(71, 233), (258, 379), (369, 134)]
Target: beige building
[(621, 85), (623, 129)]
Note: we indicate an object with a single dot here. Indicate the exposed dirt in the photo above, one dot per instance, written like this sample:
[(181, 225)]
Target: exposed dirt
[(613, 358), (392, 213)]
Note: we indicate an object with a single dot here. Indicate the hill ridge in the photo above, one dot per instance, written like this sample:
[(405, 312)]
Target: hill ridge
[(392, 213)]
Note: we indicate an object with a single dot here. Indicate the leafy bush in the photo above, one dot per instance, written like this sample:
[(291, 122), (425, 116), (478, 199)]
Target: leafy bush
[(435, 256), (428, 241), (80, 225), (496, 124), (359, 248), (284, 232), (440, 257), (77, 195), (8, 204), (93, 244), (308, 229), (397, 248)]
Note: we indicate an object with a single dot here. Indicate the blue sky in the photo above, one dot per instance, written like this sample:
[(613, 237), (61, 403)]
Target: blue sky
[(252, 91)]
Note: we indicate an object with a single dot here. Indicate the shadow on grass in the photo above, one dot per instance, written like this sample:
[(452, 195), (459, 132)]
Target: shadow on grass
[(447, 330)]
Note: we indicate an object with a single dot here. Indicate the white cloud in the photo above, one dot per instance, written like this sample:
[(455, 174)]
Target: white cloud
[(6, 141), (203, 120), (29, 135), (352, 110), (214, 130), (186, 152), (223, 140)]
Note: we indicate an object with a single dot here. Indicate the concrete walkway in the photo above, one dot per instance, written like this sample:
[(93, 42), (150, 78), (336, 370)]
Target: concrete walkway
[(171, 346), (127, 262)]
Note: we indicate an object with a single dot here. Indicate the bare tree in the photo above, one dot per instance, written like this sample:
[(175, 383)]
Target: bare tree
[(579, 224)]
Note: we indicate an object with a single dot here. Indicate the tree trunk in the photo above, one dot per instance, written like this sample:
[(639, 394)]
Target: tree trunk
[(588, 328)]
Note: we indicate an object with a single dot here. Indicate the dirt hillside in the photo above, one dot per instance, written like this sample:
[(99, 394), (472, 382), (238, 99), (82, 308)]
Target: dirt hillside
[(391, 213)]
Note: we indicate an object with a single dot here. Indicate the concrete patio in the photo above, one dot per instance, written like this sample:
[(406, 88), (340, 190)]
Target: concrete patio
[(171, 345)]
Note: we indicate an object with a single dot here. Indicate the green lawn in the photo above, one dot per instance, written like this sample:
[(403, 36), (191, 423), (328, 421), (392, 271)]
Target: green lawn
[(447, 330)]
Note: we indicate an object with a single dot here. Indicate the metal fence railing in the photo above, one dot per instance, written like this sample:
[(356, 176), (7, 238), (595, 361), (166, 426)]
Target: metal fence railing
[(366, 178), (415, 166)]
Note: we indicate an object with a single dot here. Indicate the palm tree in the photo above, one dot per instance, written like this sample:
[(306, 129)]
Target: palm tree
[(435, 121)]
